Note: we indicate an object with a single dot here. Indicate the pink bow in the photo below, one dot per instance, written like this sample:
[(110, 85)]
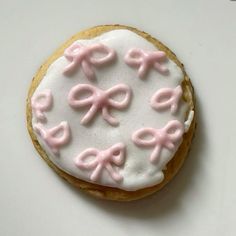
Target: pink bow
[(161, 138), (51, 137), (167, 98), (83, 55), (145, 59), (41, 102), (103, 160), (99, 100)]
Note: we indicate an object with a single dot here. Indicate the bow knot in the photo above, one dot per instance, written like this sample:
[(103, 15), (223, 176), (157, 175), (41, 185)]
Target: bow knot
[(146, 59), (104, 159), (167, 98), (167, 137), (99, 100), (82, 55)]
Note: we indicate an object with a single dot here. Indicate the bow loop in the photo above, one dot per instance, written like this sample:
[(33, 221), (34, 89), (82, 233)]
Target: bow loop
[(144, 60), (55, 137), (108, 54), (118, 152), (141, 136), (167, 137), (99, 100), (74, 95), (174, 130), (81, 55), (167, 98), (134, 57), (87, 154), (103, 160), (73, 51), (42, 102), (119, 89)]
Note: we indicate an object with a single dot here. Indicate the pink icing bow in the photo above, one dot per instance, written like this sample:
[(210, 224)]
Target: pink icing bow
[(41, 102), (104, 159), (145, 59), (167, 98), (82, 55), (51, 137), (99, 100), (161, 138)]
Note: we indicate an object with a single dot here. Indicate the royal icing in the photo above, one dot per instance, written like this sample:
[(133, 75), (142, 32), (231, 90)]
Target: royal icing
[(40, 103), (80, 55), (132, 147), (166, 98), (146, 60), (165, 137), (55, 137), (99, 100), (104, 160)]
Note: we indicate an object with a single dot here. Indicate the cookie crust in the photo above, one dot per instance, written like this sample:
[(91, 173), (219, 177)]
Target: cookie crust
[(104, 192)]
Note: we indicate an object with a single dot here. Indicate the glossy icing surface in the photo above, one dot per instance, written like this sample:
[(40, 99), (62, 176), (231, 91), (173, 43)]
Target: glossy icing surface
[(146, 60), (103, 160), (95, 139), (166, 137), (167, 98), (41, 103), (99, 100), (82, 56)]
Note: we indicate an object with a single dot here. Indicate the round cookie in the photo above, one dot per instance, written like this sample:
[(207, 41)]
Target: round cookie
[(112, 112)]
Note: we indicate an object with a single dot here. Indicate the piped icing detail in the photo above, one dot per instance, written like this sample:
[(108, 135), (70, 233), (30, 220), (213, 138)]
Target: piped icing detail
[(102, 160), (99, 100), (146, 60), (167, 98), (83, 56), (165, 137), (137, 172), (40, 103), (55, 137)]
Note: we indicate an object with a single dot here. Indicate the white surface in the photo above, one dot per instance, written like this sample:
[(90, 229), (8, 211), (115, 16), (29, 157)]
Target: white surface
[(200, 201)]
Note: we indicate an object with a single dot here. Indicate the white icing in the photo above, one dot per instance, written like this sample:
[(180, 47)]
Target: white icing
[(137, 171), (189, 120)]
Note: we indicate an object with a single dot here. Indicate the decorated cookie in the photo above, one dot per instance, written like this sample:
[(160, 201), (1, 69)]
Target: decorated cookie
[(112, 112)]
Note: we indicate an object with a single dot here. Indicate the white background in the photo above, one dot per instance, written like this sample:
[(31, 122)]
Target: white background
[(201, 200)]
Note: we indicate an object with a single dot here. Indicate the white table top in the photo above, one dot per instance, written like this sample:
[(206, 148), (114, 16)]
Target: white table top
[(201, 200)]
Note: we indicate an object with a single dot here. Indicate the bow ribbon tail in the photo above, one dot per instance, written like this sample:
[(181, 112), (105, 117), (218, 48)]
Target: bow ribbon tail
[(115, 175), (160, 68), (88, 70), (97, 172), (173, 108), (89, 115), (170, 145), (40, 130), (142, 71), (55, 150), (108, 117), (40, 115), (155, 155)]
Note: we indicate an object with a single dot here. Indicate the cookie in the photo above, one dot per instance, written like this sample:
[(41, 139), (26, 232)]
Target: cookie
[(112, 112)]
